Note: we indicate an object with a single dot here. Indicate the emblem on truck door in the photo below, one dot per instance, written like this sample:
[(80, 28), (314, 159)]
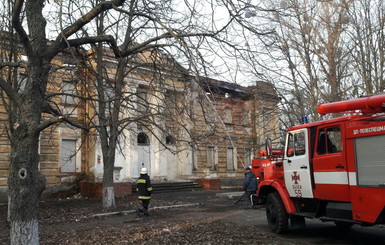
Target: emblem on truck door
[(295, 177), (296, 187)]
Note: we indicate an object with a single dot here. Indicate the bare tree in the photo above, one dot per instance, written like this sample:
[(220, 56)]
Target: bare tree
[(155, 26), (366, 20), (307, 52), (25, 181)]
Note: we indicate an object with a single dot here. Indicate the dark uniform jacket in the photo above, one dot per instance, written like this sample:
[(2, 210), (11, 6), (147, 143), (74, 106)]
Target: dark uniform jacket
[(143, 186), (250, 182)]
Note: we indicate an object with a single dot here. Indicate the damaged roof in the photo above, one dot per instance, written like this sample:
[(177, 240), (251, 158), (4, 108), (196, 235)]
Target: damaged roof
[(264, 89)]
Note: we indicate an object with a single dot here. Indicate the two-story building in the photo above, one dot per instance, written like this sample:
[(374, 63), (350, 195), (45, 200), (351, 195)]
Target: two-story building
[(178, 126)]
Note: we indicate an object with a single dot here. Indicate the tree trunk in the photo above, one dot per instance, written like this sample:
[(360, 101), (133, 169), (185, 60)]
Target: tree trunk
[(25, 181), (108, 181), (108, 196), (25, 187)]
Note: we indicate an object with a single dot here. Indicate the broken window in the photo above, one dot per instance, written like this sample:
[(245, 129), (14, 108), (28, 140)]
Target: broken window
[(143, 139), (170, 140)]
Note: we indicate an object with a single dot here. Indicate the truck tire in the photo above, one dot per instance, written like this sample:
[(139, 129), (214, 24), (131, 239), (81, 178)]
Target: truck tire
[(276, 213)]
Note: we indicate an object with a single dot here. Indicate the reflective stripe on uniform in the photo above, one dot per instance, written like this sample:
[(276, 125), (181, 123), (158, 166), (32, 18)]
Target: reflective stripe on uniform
[(141, 181), (144, 197), (149, 188)]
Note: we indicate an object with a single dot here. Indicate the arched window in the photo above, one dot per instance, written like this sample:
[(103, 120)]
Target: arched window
[(170, 140), (143, 139)]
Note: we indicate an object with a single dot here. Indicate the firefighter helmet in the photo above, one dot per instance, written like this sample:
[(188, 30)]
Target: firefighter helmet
[(143, 171)]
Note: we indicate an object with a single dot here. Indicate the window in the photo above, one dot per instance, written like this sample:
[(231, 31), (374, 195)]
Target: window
[(21, 81), (230, 158), (299, 144), (68, 90), (143, 139), (296, 144), (68, 156), (170, 140), (211, 157), (194, 159), (334, 140), (68, 98), (228, 115), (142, 101), (171, 102), (248, 157), (329, 141)]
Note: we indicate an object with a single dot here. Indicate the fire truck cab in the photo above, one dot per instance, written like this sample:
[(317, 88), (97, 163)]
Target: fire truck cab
[(333, 170)]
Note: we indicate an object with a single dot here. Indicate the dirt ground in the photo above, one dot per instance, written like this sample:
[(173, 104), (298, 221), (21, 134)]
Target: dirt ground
[(207, 220)]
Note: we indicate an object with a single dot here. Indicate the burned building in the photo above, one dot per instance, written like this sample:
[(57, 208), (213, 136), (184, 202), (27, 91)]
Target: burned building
[(178, 126)]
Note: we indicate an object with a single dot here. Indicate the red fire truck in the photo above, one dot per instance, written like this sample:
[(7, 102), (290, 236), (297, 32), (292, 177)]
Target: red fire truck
[(332, 170)]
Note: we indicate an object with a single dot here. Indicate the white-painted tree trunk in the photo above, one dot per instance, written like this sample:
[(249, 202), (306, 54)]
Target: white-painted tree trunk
[(25, 232), (108, 197)]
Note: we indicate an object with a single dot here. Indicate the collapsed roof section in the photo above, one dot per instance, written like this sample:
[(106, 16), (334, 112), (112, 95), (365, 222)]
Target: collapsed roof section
[(261, 89)]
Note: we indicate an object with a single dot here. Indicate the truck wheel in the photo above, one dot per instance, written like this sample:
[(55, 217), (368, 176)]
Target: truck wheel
[(276, 213)]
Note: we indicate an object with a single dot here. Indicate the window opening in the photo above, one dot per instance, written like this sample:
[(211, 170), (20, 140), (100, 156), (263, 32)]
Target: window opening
[(143, 139), (230, 158), (296, 145), (248, 156), (170, 140), (68, 156), (211, 157), (329, 142), (69, 90), (228, 115)]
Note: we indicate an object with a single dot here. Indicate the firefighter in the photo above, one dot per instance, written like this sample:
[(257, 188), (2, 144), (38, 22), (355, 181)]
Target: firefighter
[(249, 186), (144, 188)]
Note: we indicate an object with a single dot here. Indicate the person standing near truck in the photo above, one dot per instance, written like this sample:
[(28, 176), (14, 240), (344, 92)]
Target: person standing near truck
[(144, 188), (249, 186)]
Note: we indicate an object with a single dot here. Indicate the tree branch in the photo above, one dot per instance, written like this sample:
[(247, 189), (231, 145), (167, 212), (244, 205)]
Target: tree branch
[(10, 64), (9, 91), (45, 124), (91, 40), (145, 45), (60, 42), (47, 108), (19, 28)]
